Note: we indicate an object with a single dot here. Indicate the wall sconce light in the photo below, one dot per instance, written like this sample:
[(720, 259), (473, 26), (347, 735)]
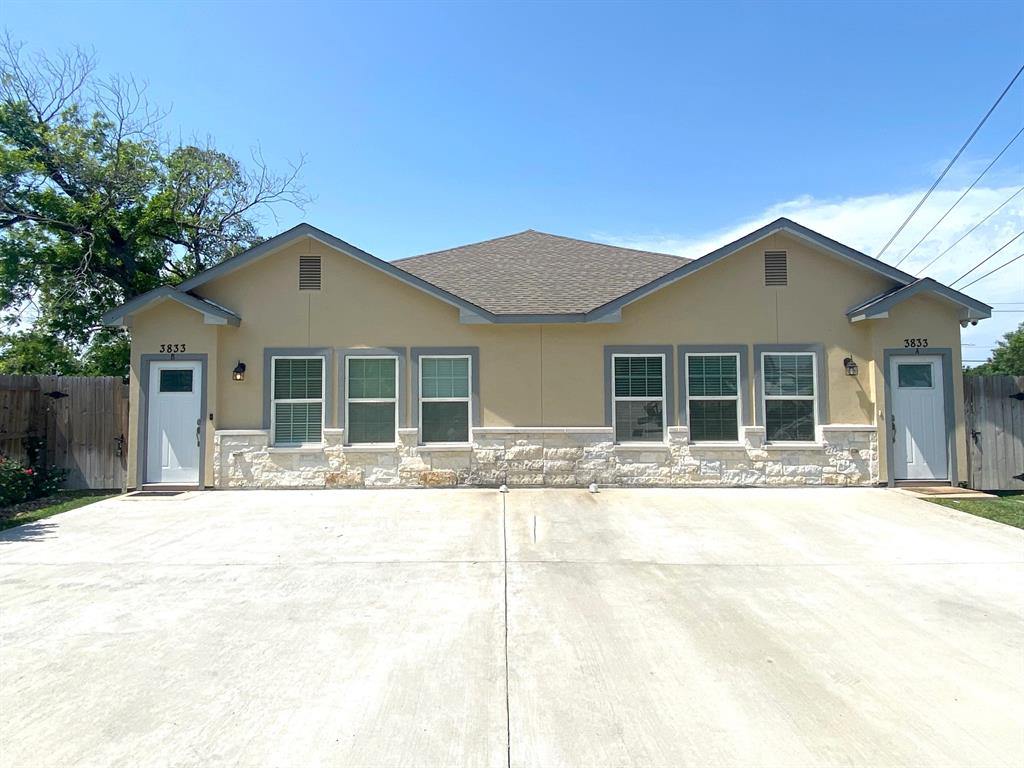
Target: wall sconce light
[(849, 363), (239, 373)]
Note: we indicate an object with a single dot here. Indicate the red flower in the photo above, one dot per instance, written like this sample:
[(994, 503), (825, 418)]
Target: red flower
[(27, 471)]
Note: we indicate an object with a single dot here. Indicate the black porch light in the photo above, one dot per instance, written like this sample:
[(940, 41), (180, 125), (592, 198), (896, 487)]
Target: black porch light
[(851, 366), (239, 373)]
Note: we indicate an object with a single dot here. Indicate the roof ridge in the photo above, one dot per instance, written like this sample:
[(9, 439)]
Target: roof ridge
[(609, 245), (458, 247)]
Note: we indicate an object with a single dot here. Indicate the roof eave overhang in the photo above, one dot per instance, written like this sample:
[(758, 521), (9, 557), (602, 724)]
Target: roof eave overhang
[(971, 310), (120, 317), (468, 317)]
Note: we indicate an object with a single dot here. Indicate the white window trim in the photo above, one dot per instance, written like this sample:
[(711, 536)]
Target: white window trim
[(765, 397), (274, 401), (467, 400), (348, 399), (617, 399), (737, 397)]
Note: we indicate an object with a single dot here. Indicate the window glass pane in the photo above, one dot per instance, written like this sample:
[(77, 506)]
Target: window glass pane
[(371, 423), (915, 375), (298, 378), (445, 422), (787, 420), (637, 377), (297, 422), (371, 378), (788, 375), (711, 375), (638, 420), (713, 420), (445, 376), (176, 380)]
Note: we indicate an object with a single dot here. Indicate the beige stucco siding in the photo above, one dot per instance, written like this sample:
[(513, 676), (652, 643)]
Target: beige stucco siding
[(551, 375)]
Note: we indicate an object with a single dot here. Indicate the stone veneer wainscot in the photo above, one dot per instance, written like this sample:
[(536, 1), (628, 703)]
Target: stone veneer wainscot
[(845, 454)]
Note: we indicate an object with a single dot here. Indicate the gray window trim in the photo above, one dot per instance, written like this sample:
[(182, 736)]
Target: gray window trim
[(143, 441), (671, 417), (743, 350), (325, 352), (821, 410), (344, 353), (474, 384), (946, 353)]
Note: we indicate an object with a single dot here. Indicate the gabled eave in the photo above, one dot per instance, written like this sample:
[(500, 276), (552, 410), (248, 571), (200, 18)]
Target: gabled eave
[(213, 314), (876, 308)]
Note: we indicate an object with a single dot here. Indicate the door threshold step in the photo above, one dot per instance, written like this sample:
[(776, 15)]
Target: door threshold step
[(942, 492), (169, 487)]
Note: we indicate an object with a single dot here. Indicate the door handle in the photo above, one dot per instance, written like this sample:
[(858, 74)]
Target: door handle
[(198, 423), (893, 429)]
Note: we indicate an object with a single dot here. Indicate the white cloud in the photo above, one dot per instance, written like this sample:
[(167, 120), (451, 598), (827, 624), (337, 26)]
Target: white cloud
[(866, 223)]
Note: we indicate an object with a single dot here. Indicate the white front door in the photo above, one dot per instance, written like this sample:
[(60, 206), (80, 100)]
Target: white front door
[(174, 422), (918, 418)]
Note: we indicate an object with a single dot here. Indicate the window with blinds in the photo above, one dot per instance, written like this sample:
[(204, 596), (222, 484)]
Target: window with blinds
[(776, 268), (309, 273), (790, 391), (638, 389), (713, 397), (297, 400), (372, 400), (444, 399)]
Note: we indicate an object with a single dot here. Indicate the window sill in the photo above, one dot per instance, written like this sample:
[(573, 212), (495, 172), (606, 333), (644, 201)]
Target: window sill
[(369, 447), (633, 447), (794, 446), (718, 445), (467, 447), (310, 448)]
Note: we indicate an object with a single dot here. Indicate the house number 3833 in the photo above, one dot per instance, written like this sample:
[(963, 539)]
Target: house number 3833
[(172, 348), (915, 343)]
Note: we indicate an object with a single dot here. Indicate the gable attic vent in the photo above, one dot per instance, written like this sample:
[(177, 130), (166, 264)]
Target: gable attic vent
[(776, 270), (309, 273)]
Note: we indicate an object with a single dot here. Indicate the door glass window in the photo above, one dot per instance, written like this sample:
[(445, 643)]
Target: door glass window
[(915, 375), (176, 380)]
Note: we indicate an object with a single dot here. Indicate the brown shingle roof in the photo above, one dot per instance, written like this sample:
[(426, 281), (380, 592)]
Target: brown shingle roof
[(533, 273)]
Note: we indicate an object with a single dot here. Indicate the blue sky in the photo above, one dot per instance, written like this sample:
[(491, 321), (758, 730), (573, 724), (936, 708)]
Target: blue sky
[(660, 125)]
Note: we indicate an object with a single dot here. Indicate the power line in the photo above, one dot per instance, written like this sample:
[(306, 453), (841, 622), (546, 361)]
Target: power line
[(950, 165), (969, 231), (995, 252), (954, 205), (1021, 256)]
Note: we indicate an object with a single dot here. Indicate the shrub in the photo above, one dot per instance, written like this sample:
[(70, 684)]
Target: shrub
[(24, 482)]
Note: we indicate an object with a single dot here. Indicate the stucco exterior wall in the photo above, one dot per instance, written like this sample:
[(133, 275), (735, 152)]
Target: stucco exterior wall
[(552, 375)]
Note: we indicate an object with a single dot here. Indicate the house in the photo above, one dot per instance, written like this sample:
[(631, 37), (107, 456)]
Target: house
[(784, 358)]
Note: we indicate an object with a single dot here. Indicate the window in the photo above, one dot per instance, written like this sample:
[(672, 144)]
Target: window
[(297, 400), (713, 397), (309, 273), (914, 375), (638, 393), (790, 388), (444, 399), (176, 380), (776, 268), (372, 399)]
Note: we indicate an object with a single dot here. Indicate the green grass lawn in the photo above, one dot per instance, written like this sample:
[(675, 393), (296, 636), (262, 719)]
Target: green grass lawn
[(30, 511), (1008, 508)]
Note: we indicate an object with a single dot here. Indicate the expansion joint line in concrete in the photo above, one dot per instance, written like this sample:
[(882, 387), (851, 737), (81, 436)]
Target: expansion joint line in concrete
[(504, 549)]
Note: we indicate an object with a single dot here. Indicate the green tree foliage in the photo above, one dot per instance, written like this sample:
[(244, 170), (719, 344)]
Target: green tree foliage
[(96, 208), (1007, 357)]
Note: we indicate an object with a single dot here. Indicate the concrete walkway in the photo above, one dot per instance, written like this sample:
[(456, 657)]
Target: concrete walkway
[(542, 628)]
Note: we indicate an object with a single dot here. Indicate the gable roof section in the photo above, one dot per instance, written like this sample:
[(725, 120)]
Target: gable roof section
[(537, 274), (534, 277), (213, 313), (879, 306), (299, 231)]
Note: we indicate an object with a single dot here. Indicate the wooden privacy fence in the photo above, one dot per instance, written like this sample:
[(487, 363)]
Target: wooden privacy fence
[(994, 414), (82, 422)]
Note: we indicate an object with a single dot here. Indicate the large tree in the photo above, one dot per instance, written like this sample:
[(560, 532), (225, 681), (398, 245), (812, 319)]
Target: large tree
[(1007, 357), (96, 206)]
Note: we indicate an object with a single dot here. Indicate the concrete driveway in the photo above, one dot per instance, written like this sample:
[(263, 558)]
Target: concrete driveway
[(542, 628)]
